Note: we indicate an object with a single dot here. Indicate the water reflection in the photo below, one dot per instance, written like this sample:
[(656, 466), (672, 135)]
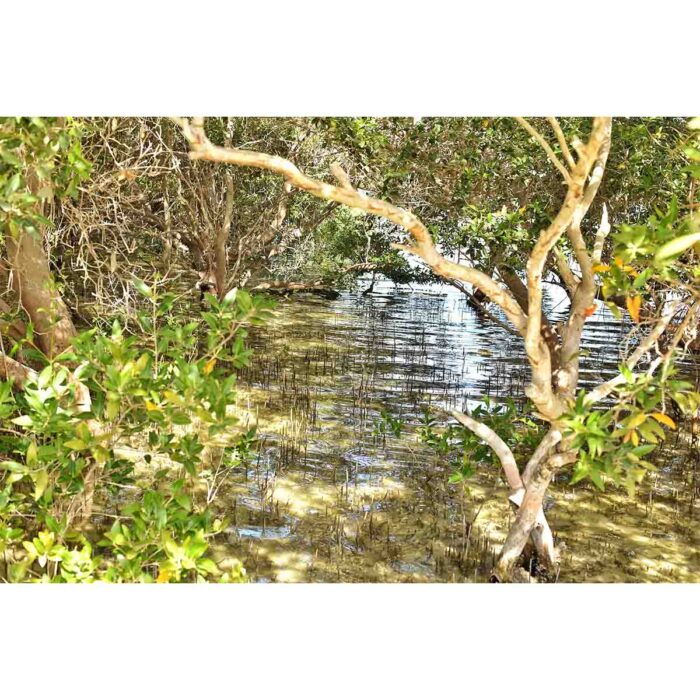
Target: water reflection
[(328, 499)]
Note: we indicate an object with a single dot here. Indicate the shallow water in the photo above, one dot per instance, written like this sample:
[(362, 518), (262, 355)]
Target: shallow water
[(327, 498)]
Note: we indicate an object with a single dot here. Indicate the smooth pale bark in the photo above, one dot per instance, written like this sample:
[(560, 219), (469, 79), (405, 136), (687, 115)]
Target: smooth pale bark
[(525, 521), (528, 520), (549, 402), (519, 291), (540, 391), (542, 537)]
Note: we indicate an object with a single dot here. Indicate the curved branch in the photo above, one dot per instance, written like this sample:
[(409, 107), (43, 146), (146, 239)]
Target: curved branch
[(604, 389), (562, 141), (570, 280), (501, 450), (547, 148), (569, 216), (423, 246), (16, 372)]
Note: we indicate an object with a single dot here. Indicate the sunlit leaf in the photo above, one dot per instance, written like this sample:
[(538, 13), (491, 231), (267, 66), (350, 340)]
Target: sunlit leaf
[(676, 246), (634, 305), (666, 420)]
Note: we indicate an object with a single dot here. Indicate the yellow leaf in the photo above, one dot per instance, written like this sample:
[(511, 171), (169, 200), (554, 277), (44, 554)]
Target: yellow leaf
[(126, 175), (32, 454), (637, 420), (635, 438), (634, 305), (172, 397), (151, 406), (619, 262), (209, 366), (666, 420), (164, 576), (601, 268)]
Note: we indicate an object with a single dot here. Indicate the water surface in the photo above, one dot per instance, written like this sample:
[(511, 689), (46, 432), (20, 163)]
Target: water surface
[(329, 499)]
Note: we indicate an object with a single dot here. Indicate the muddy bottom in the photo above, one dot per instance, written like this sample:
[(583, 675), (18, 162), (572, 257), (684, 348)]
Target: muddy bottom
[(332, 495)]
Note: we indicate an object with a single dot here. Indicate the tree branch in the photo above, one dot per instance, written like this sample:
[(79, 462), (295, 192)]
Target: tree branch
[(203, 149), (547, 148), (562, 142), (16, 372), (501, 450), (604, 389), (568, 217)]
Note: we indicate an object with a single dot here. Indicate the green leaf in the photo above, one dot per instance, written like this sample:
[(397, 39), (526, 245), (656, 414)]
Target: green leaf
[(643, 450), (184, 501), (208, 566), (32, 454), (179, 418), (642, 279), (41, 481), (12, 466), (595, 477), (44, 376), (75, 444), (676, 246), (230, 296), (143, 288)]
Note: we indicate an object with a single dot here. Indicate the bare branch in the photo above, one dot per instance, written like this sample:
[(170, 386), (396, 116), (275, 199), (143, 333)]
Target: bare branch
[(341, 176), (548, 442), (547, 148), (604, 389), (562, 141), (601, 235), (570, 280), (203, 149), (15, 371), (569, 216), (501, 450)]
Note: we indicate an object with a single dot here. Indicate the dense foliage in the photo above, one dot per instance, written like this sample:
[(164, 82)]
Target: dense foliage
[(129, 267)]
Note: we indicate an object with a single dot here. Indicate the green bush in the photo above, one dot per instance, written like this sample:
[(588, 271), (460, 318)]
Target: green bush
[(162, 389)]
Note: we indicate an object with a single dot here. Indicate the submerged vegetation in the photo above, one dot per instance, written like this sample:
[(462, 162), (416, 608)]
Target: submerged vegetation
[(216, 364)]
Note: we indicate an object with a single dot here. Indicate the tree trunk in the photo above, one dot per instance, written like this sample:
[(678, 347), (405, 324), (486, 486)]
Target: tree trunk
[(519, 291), (527, 521), (31, 280)]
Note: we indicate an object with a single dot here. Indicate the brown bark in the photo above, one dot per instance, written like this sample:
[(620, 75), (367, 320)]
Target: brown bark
[(15, 371), (31, 280), (282, 287)]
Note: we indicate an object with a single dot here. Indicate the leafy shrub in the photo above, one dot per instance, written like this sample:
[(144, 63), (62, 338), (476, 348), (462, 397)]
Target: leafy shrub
[(65, 434)]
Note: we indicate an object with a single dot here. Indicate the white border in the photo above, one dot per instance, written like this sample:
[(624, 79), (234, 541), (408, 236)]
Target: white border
[(374, 58)]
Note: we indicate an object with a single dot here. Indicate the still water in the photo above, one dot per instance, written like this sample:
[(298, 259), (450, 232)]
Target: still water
[(330, 497)]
